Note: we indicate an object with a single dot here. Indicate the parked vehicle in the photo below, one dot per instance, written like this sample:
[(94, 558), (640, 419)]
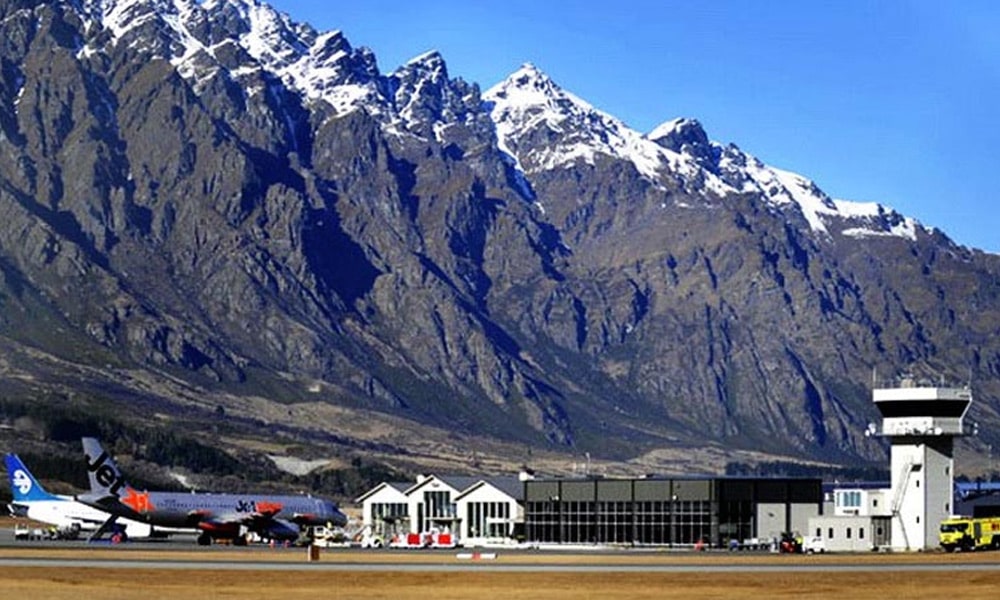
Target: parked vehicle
[(968, 534), (814, 545), (24, 532), (790, 544)]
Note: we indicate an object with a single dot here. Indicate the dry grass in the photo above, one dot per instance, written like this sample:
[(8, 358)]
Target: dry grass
[(110, 584)]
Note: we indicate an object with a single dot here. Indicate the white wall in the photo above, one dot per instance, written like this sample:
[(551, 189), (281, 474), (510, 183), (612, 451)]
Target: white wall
[(415, 500), (770, 520), (926, 494), (486, 494), (776, 518), (386, 495), (801, 514), (908, 526), (843, 534)]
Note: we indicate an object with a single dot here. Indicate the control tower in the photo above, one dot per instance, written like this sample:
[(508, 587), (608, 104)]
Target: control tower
[(921, 424)]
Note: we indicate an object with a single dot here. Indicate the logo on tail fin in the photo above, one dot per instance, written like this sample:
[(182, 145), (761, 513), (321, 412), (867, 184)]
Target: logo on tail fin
[(104, 475), (20, 480)]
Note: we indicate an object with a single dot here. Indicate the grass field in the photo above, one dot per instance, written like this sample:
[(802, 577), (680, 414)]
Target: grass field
[(75, 583)]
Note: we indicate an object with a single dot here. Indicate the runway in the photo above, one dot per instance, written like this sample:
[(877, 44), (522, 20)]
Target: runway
[(492, 567), (178, 556), (183, 554)]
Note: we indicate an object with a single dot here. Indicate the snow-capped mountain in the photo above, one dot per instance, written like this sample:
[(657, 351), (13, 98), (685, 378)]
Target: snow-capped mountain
[(244, 216), (239, 38), (529, 104), (420, 98)]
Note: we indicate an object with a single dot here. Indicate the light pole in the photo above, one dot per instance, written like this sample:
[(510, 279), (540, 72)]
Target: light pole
[(673, 519)]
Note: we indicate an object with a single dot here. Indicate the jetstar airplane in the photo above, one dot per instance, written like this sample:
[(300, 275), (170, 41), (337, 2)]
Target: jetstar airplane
[(218, 516), (31, 500)]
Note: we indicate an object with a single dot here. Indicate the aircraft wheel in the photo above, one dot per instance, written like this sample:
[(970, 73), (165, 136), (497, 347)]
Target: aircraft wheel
[(204, 540)]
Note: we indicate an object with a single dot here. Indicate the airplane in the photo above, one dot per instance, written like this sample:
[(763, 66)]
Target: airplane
[(217, 516), (32, 501)]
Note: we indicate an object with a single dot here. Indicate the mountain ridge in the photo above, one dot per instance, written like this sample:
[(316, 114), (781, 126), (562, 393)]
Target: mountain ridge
[(234, 210)]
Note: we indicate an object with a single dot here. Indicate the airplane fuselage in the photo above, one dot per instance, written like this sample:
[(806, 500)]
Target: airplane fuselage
[(227, 515), (66, 512), (181, 509)]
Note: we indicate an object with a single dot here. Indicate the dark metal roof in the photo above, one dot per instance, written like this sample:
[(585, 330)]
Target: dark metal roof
[(512, 486)]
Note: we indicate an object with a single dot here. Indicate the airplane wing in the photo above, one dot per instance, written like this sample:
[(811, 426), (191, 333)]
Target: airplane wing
[(260, 522)]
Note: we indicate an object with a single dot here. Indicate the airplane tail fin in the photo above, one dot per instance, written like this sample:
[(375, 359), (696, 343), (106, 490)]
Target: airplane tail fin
[(23, 484), (105, 477)]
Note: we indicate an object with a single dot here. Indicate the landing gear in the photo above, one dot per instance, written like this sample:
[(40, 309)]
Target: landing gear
[(204, 539), (107, 526)]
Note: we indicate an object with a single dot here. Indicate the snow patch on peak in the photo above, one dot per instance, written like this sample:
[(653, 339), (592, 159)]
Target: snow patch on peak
[(811, 200), (319, 66), (529, 101), (784, 189), (673, 127), (430, 59), (272, 38), (528, 77), (121, 16), (877, 220)]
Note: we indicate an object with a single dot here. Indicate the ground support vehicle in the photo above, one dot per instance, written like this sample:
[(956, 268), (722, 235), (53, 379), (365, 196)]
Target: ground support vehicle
[(430, 539), (790, 544), (814, 545), (66, 532), (969, 534), (751, 544), (24, 532)]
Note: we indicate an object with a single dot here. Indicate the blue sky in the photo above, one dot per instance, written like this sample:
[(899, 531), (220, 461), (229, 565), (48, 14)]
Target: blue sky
[(890, 101)]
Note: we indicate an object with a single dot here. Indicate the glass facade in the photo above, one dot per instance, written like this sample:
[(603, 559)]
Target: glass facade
[(389, 517), (436, 509), (655, 512), (652, 522), (488, 519)]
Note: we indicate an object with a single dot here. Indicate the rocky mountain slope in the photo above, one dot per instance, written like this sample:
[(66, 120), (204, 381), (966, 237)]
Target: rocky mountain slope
[(211, 212)]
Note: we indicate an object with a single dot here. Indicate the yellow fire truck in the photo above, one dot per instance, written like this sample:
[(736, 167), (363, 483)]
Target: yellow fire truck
[(967, 533)]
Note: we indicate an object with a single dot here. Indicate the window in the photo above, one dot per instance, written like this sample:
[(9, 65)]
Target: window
[(819, 532), (848, 499), (488, 519), (848, 533), (875, 502), (830, 533), (861, 533), (918, 518)]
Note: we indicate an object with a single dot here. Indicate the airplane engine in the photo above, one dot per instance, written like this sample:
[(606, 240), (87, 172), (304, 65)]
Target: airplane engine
[(280, 531)]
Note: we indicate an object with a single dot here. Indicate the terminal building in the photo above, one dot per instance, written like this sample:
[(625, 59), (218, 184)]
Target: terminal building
[(920, 422), (668, 512), (682, 511), (475, 509)]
